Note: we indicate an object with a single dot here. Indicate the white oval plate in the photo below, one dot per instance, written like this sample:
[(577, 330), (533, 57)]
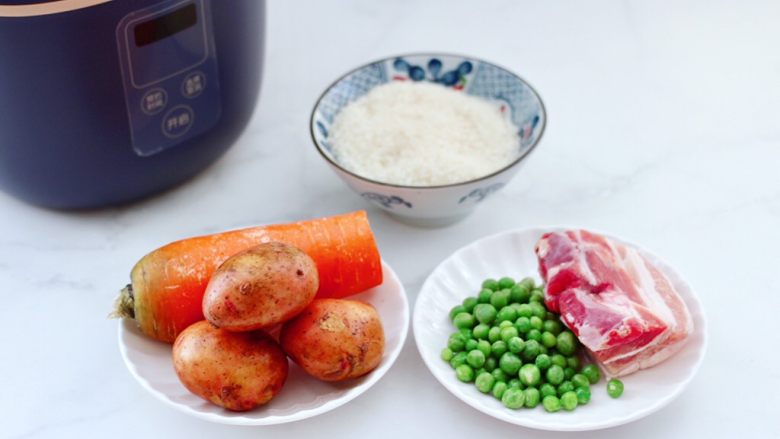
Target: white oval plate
[(512, 254), (302, 396)]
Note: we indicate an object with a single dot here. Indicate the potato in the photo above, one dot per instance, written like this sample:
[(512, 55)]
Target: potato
[(260, 287), (335, 339), (235, 370)]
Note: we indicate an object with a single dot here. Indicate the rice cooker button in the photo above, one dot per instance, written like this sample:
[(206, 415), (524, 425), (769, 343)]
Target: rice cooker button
[(193, 85), (177, 121), (154, 101)]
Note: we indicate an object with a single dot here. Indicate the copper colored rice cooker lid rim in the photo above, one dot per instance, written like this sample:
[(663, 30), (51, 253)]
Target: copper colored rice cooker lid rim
[(33, 8)]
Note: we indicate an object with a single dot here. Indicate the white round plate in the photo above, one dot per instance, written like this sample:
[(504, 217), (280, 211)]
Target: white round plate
[(512, 254), (302, 396)]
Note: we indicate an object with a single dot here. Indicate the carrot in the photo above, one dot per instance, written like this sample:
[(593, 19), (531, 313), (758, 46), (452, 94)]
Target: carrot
[(168, 284)]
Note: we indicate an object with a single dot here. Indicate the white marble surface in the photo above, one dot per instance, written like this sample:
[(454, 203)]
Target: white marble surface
[(663, 129)]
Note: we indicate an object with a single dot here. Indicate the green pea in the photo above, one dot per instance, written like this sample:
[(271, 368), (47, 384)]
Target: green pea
[(500, 299), (513, 398), (564, 387), (523, 325), (447, 354), (458, 359), (519, 294), (499, 388), (551, 316), (566, 343), (456, 310), (469, 303), (490, 364), (485, 313), (527, 282), (475, 359), (568, 372), (543, 361), (573, 362), (548, 389), (494, 334), (504, 324), (531, 350), (551, 403), (456, 342), (484, 295), (614, 388), (580, 380), (554, 374), (466, 333), (479, 371), (525, 310), (537, 309), (484, 347), (480, 331), (537, 296), (515, 345), (508, 332), (548, 339), (510, 363), (498, 348), (484, 382), (465, 373), (552, 326), (506, 282), (500, 375), (536, 323), (569, 401), (534, 334), (583, 395), (506, 313), (543, 349), (471, 344), (514, 306), (530, 375), (532, 397), (592, 372), (559, 360), (490, 284), (514, 383)]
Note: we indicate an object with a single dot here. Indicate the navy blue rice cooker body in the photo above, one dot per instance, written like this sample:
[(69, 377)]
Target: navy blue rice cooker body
[(103, 102)]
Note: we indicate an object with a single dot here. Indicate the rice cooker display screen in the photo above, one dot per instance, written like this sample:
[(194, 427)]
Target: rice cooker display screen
[(161, 27)]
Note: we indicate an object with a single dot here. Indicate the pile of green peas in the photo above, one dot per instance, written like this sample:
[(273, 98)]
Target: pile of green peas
[(509, 345)]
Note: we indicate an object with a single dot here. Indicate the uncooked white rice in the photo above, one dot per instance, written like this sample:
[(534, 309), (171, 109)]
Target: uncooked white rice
[(422, 134)]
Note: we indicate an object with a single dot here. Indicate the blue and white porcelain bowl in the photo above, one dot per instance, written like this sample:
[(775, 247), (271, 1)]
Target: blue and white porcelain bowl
[(433, 205)]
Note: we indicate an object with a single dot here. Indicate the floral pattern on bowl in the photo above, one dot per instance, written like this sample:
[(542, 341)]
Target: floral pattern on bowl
[(433, 72), (386, 201), (435, 204), (481, 193)]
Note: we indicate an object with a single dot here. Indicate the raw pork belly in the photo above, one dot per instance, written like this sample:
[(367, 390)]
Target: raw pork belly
[(620, 306)]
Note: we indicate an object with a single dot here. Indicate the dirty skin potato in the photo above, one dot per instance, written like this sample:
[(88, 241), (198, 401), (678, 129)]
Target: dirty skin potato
[(260, 287), (237, 371), (335, 339)]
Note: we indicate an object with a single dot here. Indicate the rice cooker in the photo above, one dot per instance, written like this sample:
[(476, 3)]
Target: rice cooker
[(107, 101)]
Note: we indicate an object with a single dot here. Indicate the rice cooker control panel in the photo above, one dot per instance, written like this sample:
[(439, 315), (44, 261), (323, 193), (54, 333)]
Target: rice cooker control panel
[(169, 70)]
